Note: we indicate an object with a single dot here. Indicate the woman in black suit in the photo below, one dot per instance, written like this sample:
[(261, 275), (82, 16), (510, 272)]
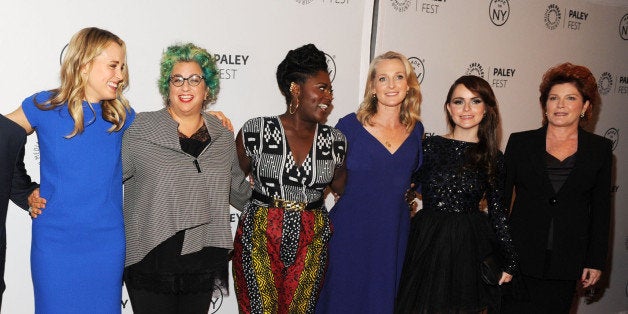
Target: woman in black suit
[(561, 177)]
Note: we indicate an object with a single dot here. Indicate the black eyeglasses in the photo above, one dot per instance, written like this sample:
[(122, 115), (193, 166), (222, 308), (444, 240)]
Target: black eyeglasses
[(193, 80)]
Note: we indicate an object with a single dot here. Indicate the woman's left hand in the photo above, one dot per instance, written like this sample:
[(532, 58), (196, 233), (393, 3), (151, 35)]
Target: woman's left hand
[(36, 203), (590, 277), (221, 116), (506, 277)]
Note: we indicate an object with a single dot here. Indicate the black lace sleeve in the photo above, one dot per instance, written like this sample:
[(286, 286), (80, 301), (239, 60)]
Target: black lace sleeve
[(497, 211)]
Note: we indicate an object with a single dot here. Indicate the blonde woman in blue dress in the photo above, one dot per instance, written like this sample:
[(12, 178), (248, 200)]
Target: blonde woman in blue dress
[(77, 250)]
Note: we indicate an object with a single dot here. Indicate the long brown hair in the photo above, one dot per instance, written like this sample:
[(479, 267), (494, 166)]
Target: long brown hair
[(483, 154)]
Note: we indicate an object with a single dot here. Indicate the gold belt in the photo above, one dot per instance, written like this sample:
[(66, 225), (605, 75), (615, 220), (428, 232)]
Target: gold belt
[(289, 205)]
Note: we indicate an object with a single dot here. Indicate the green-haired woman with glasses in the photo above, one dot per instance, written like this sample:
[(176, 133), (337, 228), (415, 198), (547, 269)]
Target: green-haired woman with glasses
[(181, 173)]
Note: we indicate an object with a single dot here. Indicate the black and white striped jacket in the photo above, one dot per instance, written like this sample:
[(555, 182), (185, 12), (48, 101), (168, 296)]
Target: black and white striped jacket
[(166, 190)]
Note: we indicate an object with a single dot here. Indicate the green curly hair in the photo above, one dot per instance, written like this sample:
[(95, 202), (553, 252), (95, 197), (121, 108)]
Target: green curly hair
[(189, 53)]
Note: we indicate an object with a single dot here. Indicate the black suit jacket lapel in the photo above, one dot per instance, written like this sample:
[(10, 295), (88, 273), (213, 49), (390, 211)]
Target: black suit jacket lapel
[(582, 158), (537, 154)]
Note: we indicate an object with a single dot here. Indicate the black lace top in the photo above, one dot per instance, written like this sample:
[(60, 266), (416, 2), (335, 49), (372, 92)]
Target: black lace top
[(557, 171), (448, 186)]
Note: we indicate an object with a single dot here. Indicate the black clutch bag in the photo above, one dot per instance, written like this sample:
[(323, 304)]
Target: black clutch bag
[(491, 269)]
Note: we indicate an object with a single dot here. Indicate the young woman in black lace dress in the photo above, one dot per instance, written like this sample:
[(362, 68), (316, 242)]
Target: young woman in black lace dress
[(450, 235)]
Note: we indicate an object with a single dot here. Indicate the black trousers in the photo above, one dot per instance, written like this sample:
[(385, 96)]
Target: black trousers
[(546, 296), (147, 302), (551, 296)]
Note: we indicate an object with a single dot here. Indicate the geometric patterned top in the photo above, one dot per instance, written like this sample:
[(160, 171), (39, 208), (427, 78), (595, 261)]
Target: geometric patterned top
[(273, 166)]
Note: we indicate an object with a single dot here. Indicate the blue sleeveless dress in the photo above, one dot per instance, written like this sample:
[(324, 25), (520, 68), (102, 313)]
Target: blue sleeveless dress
[(371, 223), (77, 249)]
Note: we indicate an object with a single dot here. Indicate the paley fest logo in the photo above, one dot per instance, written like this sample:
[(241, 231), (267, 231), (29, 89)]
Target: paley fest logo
[(497, 76), (428, 6), (575, 18), (418, 67), (552, 16), (216, 301), (230, 60), (613, 135), (331, 66), (37, 153), (475, 69), (499, 11), (229, 64), (622, 87), (605, 83), (623, 27), (400, 5)]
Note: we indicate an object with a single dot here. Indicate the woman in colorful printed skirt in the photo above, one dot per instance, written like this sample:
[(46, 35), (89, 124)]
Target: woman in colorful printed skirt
[(281, 242)]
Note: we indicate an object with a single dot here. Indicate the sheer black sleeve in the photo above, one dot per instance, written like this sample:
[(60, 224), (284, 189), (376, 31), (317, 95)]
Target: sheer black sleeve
[(498, 215)]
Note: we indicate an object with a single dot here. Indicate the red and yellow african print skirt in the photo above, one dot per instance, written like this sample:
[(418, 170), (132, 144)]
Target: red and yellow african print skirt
[(280, 258)]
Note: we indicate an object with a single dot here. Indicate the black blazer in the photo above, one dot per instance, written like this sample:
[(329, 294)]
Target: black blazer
[(580, 210), (15, 184)]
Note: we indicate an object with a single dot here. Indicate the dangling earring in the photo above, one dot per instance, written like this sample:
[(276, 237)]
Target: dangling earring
[(546, 113), (295, 107), (582, 115), (293, 86)]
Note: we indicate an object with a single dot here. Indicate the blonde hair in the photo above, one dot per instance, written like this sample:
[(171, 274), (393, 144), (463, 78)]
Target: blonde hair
[(411, 105), (84, 46)]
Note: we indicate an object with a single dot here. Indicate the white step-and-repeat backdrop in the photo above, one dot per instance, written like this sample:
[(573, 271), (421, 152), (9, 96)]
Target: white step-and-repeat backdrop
[(509, 43), (248, 38)]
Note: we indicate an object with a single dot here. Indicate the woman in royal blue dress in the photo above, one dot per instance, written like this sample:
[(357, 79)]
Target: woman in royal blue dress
[(371, 219), (77, 250)]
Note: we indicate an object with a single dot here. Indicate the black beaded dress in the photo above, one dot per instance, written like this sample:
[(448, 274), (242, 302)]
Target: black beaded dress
[(450, 235)]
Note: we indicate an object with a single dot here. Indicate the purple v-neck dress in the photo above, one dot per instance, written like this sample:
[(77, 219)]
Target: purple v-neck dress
[(371, 223)]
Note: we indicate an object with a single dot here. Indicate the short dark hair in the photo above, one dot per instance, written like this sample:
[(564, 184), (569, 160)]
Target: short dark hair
[(298, 65), (580, 76)]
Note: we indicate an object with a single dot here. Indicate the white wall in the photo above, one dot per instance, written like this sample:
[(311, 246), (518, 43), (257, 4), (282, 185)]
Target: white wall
[(452, 38), (447, 42), (261, 32)]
